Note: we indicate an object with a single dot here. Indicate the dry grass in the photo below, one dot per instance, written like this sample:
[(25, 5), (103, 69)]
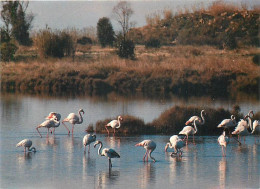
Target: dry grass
[(168, 66)]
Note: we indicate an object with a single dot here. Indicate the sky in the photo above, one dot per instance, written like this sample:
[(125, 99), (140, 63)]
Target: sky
[(82, 14)]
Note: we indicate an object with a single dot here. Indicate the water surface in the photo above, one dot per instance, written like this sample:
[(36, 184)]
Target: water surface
[(61, 163)]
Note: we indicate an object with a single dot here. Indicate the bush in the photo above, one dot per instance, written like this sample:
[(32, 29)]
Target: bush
[(256, 59), (8, 50), (153, 43), (84, 41), (125, 48), (57, 44)]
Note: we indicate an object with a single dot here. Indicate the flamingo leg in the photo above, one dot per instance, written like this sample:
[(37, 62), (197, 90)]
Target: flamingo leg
[(222, 150), (66, 127), (193, 140), (110, 163), (237, 140), (84, 149), (107, 130), (38, 131), (114, 131), (47, 132), (145, 155), (53, 130), (187, 139), (72, 128)]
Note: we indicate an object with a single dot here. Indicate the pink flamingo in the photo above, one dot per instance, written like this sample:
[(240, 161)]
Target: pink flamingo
[(87, 140), (48, 124), (149, 146), (26, 143), (115, 124), (73, 119)]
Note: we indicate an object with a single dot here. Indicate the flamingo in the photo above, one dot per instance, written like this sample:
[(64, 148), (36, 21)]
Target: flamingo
[(256, 128), (53, 115), (26, 143), (48, 124), (87, 140), (108, 152), (73, 119), (227, 123), (115, 124), (223, 140), (200, 121), (241, 129), (189, 130), (176, 143), (150, 146)]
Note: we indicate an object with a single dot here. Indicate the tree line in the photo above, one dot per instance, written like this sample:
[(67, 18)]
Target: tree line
[(221, 25)]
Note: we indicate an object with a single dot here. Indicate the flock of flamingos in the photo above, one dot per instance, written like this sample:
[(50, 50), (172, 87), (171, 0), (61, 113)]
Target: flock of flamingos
[(241, 129)]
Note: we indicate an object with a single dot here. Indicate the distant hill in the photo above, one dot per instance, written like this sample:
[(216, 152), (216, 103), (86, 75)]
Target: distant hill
[(222, 25)]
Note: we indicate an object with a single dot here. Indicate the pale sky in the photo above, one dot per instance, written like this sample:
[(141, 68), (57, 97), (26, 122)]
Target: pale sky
[(80, 14)]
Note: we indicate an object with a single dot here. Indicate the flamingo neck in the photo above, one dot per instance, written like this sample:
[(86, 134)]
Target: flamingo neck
[(195, 127), (151, 156), (56, 123), (99, 149), (233, 119), (32, 149), (202, 117), (119, 123), (81, 118), (250, 123)]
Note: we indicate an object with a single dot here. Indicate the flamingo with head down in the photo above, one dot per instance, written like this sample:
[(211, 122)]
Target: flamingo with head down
[(177, 144), (26, 143), (73, 119), (223, 140), (149, 146), (87, 140)]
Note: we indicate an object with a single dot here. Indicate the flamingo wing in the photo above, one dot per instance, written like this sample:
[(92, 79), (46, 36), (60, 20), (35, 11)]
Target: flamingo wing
[(186, 130)]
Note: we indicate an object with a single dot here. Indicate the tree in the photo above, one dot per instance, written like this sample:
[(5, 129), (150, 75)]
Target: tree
[(16, 22), (122, 13), (105, 32)]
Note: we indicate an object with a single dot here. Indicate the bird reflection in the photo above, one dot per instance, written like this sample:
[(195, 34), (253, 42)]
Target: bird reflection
[(108, 178), (222, 168), (51, 141), (147, 175), (114, 142), (89, 166)]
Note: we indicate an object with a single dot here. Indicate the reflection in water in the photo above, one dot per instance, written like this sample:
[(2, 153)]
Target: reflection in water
[(147, 174), (222, 168), (108, 178), (89, 167), (113, 142)]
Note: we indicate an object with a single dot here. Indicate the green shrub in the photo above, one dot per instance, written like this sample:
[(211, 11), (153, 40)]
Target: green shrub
[(84, 40), (256, 59), (153, 43), (8, 50), (126, 48)]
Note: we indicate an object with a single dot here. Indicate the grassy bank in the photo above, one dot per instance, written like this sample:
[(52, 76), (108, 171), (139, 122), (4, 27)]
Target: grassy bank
[(184, 70), (173, 120)]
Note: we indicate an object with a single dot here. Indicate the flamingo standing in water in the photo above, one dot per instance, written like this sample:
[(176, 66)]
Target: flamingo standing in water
[(108, 152), (53, 115), (256, 129), (228, 123), (223, 140), (149, 146), (176, 143), (115, 124), (26, 143), (189, 130), (200, 121), (241, 129), (73, 119), (48, 124), (87, 140)]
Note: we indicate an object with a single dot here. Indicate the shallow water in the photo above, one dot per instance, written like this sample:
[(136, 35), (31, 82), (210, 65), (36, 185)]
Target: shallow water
[(61, 163)]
